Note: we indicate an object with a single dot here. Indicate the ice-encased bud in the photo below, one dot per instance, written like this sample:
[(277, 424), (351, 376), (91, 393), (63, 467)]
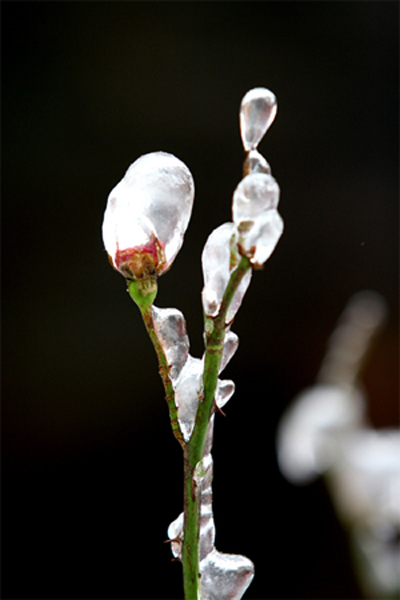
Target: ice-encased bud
[(147, 214), (259, 224), (219, 258), (256, 163), (255, 194), (188, 390), (225, 576), (170, 327), (257, 111)]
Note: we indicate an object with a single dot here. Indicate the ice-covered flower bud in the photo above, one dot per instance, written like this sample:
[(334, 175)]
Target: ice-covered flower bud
[(254, 213), (219, 258), (147, 215), (257, 112)]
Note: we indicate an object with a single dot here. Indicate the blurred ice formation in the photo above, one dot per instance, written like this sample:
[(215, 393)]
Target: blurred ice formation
[(325, 431)]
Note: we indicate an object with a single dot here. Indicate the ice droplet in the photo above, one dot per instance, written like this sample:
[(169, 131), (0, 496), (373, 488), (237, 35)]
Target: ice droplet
[(231, 343), (257, 111), (255, 194), (220, 256), (154, 199), (224, 392), (188, 389), (263, 237), (175, 534), (256, 163), (170, 327), (225, 576)]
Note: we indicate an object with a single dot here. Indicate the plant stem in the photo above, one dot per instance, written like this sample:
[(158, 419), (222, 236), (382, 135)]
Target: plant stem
[(143, 294), (193, 452)]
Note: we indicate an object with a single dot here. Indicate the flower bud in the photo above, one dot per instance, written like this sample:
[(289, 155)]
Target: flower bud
[(147, 215)]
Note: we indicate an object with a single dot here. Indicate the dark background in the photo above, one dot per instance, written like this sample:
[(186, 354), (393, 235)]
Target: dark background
[(91, 471)]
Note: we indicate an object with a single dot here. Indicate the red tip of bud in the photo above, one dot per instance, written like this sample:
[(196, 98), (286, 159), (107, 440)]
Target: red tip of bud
[(141, 262)]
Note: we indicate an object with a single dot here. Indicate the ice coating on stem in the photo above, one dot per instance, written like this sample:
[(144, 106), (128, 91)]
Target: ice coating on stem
[(223, 576), (224, 392), (170, 327), (231, 343), (257, 111), (254, 213), (147, 214), (188, 391), (219, 258)]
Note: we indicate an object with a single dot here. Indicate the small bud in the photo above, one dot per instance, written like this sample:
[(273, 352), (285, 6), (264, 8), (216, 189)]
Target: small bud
[(147, 215)]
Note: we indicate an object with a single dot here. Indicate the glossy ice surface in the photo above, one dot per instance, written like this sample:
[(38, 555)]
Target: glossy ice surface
[(220, 257), (151, 205), (257, 112)]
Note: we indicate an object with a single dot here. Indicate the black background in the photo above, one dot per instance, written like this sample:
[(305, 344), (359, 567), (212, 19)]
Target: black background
[(91, 472)]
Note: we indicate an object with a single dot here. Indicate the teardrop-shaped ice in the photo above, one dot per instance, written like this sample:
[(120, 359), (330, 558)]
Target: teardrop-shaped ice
[(170, 327), (255, 163), (255, 194), (220, 256), (224, 392), (225, 576), (188, 390), (147, 213), (175, 534), (257, 111)]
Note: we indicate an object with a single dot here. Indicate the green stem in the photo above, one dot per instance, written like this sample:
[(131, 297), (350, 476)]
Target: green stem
[(143, 293), (194, 449)]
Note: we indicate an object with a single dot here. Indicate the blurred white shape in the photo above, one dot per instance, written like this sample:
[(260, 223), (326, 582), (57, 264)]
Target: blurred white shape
[(324, 431), (257, 111), (310, 428), (363, 315), (365, 487)]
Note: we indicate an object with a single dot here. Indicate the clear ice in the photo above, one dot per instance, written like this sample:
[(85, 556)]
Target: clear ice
[(223, 576), (170, 327), (256, 163), (260, 226), (220, 256), (257, 112), (154, 199), (254, 195)]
